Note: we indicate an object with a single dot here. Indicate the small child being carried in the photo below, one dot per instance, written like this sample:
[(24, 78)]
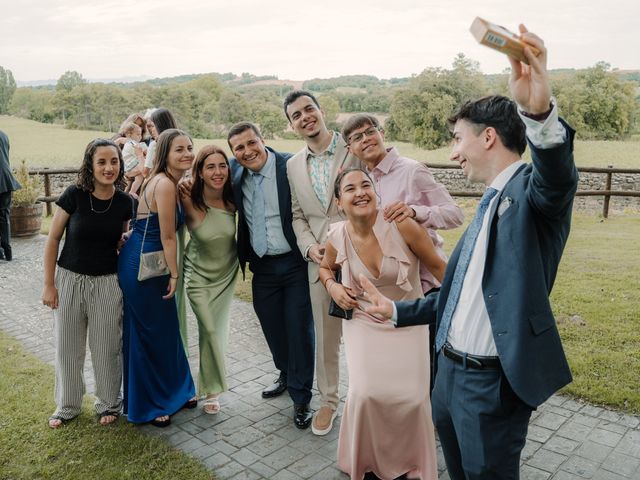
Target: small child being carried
[(133, 154)]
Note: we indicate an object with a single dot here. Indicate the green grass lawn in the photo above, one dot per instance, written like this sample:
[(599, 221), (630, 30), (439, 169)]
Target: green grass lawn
[(46, 145), (597, 303), (29, 449)]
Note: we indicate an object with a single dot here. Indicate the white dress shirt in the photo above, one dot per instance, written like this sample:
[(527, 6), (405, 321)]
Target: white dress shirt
[(470, 329)]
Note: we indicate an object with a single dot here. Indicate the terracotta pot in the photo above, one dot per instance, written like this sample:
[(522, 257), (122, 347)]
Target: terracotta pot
[(26, 220)]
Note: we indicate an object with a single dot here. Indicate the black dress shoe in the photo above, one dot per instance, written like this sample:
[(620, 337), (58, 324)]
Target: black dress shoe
[(278, 387), (302, 415), (8, 256)]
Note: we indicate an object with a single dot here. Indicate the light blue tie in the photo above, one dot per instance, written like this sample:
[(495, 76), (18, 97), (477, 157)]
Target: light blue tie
[(258, 217), (461, 267)]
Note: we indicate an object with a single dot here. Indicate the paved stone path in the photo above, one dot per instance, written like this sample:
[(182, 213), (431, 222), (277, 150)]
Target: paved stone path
[(252, 438)]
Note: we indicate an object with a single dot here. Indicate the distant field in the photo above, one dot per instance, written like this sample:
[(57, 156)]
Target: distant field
[(46, 145)]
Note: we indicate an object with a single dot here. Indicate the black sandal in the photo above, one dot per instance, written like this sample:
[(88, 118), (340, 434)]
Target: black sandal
[(161, 423), (63, 421), (108, 413), (191, 404)]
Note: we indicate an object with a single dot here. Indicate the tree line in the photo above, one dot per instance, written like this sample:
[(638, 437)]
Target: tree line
[(599, 102)]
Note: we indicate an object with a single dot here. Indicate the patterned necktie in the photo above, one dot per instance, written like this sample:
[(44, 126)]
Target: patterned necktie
[(461, 267), (258, 217)]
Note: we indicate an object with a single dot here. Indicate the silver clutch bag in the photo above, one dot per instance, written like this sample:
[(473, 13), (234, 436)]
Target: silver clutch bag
[(152, 264)]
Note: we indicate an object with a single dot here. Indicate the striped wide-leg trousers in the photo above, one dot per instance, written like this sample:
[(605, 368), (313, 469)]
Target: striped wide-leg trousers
[(88, 305)]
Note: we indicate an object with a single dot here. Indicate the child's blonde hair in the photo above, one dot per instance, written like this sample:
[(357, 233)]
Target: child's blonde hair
[(129, 127)]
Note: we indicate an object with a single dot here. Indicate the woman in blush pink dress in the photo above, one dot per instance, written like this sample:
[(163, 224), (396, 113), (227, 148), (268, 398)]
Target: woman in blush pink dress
[(386, 430)]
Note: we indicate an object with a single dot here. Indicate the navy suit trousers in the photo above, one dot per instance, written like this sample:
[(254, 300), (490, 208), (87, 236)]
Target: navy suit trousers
[(481, 422), (5, 209), (283, 306)]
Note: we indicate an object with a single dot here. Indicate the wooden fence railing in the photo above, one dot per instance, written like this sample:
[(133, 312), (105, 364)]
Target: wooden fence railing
[(607, 193)]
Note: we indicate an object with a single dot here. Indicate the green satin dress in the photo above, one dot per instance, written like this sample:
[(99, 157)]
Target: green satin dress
[(210, 271)]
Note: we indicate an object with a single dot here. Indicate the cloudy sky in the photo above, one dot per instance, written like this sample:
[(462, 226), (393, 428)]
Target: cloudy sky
[(41, 39)]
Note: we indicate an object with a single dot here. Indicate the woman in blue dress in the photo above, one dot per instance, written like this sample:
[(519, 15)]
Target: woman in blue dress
[(157, 378)]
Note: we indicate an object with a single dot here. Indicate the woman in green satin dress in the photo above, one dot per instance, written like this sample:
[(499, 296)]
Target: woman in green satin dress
[(211, 265)]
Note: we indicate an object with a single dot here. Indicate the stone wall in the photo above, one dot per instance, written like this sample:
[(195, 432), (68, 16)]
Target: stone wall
[(455, 181)]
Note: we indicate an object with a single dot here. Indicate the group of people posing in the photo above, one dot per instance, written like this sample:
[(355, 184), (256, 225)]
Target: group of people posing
[(345, 204)]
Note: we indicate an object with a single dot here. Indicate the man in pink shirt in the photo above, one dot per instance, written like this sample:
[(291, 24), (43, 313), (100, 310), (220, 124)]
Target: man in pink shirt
[(406, 187)]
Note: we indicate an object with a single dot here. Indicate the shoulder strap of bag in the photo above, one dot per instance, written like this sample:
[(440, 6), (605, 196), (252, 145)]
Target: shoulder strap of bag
[(153, 194)]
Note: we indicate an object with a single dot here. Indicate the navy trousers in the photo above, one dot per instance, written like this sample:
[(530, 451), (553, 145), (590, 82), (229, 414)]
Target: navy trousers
[(282, 303), (481, 422), (5, 229)]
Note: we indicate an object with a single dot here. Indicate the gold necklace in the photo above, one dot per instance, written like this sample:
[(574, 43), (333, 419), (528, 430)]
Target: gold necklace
[(363, 243), (100, 211)]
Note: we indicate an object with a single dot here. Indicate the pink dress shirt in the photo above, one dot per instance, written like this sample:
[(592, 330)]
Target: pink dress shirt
[(403, 179)]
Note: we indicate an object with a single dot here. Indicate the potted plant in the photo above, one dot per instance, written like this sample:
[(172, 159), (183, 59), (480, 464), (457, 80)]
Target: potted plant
[(26, 211)]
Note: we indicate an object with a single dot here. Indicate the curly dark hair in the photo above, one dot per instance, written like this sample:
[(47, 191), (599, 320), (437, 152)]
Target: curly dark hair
[(197, 189), (85, 174)]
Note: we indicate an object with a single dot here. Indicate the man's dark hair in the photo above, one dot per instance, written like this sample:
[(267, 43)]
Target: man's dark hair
[(240, 127), (499, 113), (296, 94), (356, 122)]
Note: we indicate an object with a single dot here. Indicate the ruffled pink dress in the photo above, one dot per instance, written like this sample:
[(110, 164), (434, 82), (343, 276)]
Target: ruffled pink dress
[(386, 427)]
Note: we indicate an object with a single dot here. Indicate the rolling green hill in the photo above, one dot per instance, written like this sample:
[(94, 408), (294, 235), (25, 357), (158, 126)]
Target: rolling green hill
[(48, 145)]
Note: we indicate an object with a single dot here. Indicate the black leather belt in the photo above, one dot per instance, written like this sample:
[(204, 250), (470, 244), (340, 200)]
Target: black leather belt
[(280, 255), (473, 361)]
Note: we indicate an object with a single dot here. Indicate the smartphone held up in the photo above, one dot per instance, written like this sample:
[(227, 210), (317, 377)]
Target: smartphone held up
[(499, 38)]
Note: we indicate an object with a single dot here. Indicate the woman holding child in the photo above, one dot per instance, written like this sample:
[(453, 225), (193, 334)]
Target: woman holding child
[(386, 428)]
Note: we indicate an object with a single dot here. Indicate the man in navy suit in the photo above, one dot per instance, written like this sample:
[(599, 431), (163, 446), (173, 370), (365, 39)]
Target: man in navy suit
[(267, 243), (499, 351), (8, 184)]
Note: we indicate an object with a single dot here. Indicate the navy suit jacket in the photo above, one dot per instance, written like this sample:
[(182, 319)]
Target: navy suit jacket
[(525, 244), (238, 172), (7, 181)]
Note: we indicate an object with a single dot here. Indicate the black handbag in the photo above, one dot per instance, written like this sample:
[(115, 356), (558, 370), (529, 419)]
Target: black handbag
[(337, 311)]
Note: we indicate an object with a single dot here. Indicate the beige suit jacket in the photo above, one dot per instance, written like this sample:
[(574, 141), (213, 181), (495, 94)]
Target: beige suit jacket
[(310, 219)]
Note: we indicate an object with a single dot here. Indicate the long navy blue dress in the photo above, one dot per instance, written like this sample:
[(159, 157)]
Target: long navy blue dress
[(157, 378)]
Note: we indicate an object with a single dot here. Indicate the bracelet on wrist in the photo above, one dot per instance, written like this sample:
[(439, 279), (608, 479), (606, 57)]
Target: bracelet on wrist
[(174, 278)]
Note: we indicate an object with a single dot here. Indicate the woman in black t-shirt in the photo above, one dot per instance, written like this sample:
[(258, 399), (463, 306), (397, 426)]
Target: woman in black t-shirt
[(84, 295)]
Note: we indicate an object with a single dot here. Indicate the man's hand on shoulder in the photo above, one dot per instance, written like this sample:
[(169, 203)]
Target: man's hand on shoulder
[(398, 211)]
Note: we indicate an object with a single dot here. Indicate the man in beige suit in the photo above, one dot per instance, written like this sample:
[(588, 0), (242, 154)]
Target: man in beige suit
[(311, 173)]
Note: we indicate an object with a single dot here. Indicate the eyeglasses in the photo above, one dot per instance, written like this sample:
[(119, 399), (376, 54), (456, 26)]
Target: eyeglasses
[(358, 137)]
